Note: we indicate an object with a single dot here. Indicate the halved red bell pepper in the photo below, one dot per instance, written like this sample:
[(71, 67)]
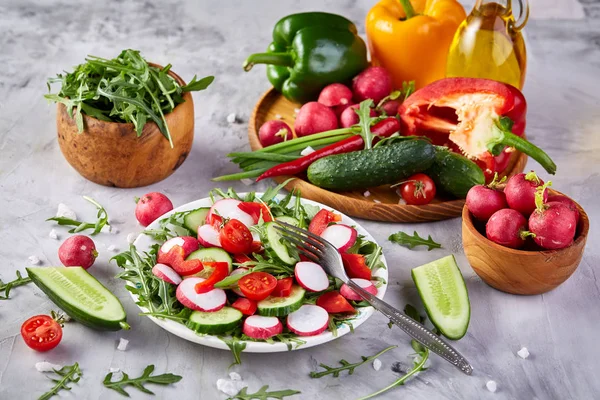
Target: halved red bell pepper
[(321, 220), (476, 114), (283, 288), (356, 266), (245, 306), (255, 210), (220, 270), (175, 259)]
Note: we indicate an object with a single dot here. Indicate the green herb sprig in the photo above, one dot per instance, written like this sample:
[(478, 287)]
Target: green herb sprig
[(7, 287), (138, 383), (68, 374), (404, 239), (263, 394), (346, 366), (82, 226)]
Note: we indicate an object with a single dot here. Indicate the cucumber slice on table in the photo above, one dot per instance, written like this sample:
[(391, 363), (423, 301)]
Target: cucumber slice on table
[(282, 306), (81, 296), (444, 294), (195, 218), (211, 254), (215, 322), (272, 244)]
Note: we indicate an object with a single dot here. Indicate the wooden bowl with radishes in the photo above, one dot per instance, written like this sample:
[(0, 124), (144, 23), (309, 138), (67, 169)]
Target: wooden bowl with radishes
[(503, 249)]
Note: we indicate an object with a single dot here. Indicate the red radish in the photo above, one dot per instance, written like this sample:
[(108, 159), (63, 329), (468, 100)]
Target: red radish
[(213, 300), (341, 236), (273, 132), (259, 327), (552, 224), (350, 294), (229, 208), (349, 117), (336, 94), (313, 118), (390, 107), (78, 251), (334, 303), (311, 276), (507, 227), (483, 201), (237, 271), (567, 201), (308, 320), (151, 206), (208, 236), (245, 306), (166, 273), (520, 192), (188, 243), (373, 83)]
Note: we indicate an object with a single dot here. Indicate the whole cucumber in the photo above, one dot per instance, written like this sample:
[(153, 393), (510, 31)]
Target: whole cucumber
[(454, 173), (368, 168)]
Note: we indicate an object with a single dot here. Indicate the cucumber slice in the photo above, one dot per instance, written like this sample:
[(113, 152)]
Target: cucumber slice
[(282, 306), (272, 244), (81, 296), (195, 218), (216, 322), (444, 294), (288, 220), (211, 254)]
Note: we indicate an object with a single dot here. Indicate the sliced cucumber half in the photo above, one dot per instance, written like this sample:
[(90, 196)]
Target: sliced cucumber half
[(288, 220), (215, 322), (81, 296), (211, 254), (274, 246), (444, 294), (282, 306), (195, 218)]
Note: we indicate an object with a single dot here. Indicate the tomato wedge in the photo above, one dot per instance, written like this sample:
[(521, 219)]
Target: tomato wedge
[(283, 288), (236, 238), (41, 333), (175, 259), (255, 210), (356, 266), (334, 303), (220, 270), (322, 220), (245, 306), (241, 258), (257, 285)]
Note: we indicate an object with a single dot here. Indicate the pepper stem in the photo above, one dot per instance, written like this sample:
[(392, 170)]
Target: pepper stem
[(539, 155), (285, 59), (408, 8)]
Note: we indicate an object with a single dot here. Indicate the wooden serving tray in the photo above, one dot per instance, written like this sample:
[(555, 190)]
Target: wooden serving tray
[(383, 202)]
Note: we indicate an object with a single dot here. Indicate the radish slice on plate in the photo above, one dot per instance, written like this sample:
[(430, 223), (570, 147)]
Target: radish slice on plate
[(188, 243), (350, 294), (208, 236), (308, 320), (228, 208), (259, 327), (311, 276), (237, 271), (341, 236), (166, 273), (213, 300)]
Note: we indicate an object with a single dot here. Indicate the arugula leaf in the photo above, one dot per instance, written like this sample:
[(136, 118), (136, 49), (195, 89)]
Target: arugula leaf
[(196, 85), (82, 226), (406, 240), (365, 120), (6, 287), (68, 374), (263, 394), (147, 377), (170, 227), (346, 366), (236, 346)]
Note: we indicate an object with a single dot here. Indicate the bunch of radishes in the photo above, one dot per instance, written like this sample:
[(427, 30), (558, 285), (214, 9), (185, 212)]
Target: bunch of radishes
[(335, 107), (524, 209)]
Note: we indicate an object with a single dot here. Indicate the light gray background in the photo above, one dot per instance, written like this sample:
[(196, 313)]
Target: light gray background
[(40, 38)]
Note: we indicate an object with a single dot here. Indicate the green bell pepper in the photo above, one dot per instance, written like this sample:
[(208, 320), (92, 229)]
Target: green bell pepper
[(310, 51)]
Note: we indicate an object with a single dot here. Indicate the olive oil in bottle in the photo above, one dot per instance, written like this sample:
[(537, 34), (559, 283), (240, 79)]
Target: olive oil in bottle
[(489, 44)]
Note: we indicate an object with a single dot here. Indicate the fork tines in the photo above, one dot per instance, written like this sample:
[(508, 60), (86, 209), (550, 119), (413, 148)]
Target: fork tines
[(308, 243)]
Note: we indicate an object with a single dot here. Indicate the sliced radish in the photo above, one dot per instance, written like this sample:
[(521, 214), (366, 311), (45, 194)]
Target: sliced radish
[(341, 236), (188, 243), (166, 273), (308, 320), (350, 294), (213, 300), (311, 276), (208, 236), (238, 271), (228, 208), (259, 327)]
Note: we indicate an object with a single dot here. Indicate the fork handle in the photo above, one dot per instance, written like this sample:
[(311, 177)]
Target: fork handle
[(415, 330)]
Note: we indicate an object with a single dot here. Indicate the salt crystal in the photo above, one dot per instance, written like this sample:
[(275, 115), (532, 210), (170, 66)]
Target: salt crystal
[(231, 118), (65, 212), (234, 376), (523, 353), (229, 387), (376, 201), (296, 110), (278, 116), (308, 150), (122, 344), (34, 260), (131, 237), (113, 230), (111, 248), (367, 193), (402, 202), (247, 181), (491, 386), (53, 234), (376, 364), (113, 370), (44, 366)]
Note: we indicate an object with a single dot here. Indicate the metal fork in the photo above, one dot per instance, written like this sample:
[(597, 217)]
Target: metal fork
[(318, 250)]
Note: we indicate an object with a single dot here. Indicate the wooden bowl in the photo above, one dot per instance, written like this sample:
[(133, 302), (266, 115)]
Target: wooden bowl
[(111, 153), (521, 271), (383, 202)]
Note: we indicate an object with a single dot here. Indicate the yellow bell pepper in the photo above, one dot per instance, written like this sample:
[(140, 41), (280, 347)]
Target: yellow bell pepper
[(411, 38)]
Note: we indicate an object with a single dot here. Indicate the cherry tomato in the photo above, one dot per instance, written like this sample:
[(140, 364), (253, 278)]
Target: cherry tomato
[(220, 270), (256, 210), (257, 285), (419, 189), (41, 333), (245, 306), (175, 259), (236, 238), (333, 302), (356, 266), (322, 220), (241, 258), (283, 288)]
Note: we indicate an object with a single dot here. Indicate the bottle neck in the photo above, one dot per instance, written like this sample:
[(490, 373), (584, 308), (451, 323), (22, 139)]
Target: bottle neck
[(497, 7)]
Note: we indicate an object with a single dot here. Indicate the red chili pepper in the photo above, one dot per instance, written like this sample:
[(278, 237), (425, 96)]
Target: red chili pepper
[(383, 128), (220, 271), (481, 116)]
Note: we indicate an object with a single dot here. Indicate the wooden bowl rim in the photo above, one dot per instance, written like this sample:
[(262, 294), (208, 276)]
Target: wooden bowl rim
[(583, 220)]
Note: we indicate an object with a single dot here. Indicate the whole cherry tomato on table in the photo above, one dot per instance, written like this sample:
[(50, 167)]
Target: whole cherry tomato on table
[(418, 190), (41, 333)]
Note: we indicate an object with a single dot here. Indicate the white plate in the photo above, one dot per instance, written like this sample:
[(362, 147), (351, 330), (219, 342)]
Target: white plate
[(143, 243)]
